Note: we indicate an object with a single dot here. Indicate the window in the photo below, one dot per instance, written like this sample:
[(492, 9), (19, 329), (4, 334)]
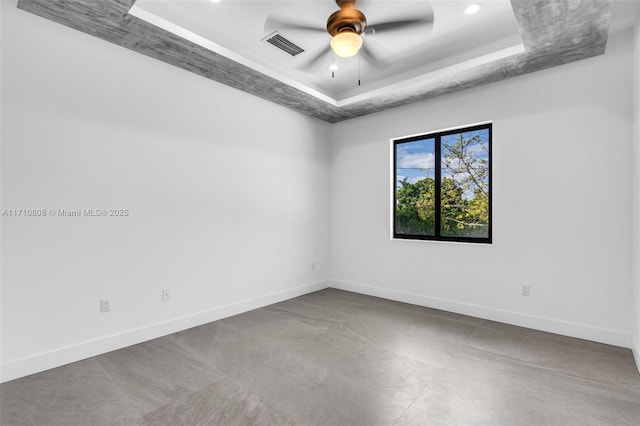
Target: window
[(442, 185)]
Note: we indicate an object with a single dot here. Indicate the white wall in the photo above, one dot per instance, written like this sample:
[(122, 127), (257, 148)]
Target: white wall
[(562, 175), (228, 197), (636, 197)]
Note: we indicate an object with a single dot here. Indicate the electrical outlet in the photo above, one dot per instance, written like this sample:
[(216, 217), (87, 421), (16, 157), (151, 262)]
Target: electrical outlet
[(166, 295), (105, 305), (525, 290)]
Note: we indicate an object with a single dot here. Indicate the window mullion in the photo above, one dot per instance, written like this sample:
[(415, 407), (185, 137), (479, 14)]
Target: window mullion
[(437, 201)]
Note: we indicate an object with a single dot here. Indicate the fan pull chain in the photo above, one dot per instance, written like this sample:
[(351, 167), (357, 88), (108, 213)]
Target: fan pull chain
[(359, 63), (333, 65)]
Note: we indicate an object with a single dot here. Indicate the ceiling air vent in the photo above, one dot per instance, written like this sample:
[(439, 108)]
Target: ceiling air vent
[(283, 44)]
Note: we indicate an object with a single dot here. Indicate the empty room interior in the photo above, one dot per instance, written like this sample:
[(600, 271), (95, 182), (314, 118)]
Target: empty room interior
[(320, 212)]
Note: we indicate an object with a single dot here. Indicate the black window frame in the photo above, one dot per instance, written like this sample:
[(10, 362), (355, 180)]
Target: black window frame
[(437, 136)]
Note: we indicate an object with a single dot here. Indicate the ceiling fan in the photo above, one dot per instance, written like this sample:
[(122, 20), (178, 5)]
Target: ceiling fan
[(346, 28)]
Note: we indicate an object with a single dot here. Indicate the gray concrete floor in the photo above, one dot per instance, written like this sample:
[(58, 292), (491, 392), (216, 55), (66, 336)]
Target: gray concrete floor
[(338, 358)]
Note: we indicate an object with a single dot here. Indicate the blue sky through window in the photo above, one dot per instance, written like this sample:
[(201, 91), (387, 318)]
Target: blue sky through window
[(415, 161)]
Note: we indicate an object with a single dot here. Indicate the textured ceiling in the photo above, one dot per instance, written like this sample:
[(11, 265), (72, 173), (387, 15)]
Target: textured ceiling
[(554, 32)]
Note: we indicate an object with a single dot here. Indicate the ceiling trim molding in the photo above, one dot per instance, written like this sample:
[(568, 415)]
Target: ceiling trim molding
[(554, 32)]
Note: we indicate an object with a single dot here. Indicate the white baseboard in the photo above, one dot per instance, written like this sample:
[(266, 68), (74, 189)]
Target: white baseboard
[(636, 351), (566, 328), (65, 355)]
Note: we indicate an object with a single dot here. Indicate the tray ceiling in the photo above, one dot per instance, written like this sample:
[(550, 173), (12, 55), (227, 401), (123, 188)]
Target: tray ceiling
[(222, 41), (236, 29)]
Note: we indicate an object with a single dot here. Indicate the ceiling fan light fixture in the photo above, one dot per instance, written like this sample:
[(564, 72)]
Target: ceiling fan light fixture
[(346, 44)]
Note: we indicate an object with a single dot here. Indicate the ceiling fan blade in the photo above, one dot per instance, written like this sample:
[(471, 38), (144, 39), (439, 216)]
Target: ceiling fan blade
[(402, 24), (273, 23), (310, 63), (374, 59)]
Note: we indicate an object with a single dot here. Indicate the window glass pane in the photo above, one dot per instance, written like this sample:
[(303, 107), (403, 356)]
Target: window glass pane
[(415, 187), (465, 184)]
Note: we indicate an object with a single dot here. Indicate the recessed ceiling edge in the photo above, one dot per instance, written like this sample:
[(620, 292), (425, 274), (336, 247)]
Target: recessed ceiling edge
[(554, 33)]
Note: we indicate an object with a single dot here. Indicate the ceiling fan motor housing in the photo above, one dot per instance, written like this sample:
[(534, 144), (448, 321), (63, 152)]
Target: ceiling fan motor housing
[(348, 18)]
